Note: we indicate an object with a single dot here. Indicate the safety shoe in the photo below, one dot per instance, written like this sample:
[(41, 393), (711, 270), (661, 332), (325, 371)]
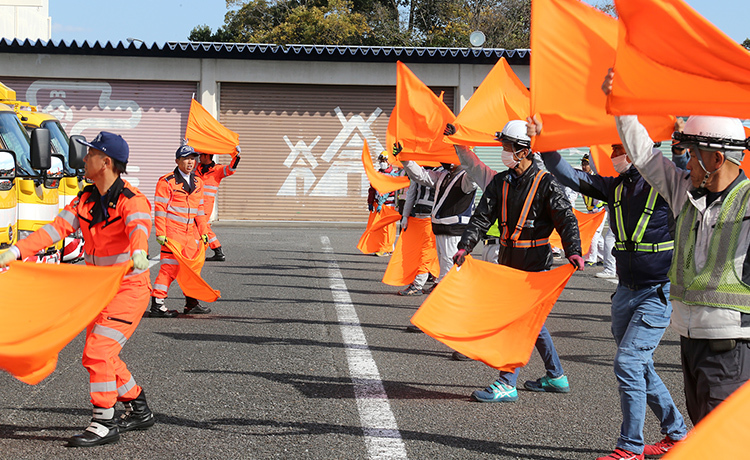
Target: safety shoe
[(591, 264), (192, 307), (497, 392), (102, 430), (218, 256), (456, 356), (606, 275), (411, 290), (137, 415), (660, 448), (550, 385), (159, 310), (622, 454), (429, 289)]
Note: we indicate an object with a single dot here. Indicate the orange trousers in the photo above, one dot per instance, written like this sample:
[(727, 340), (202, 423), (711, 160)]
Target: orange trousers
[(109, 378)]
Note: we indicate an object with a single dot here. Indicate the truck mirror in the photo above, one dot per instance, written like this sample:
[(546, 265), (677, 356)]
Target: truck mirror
[(76, 152), (7, 166), (41, 149)]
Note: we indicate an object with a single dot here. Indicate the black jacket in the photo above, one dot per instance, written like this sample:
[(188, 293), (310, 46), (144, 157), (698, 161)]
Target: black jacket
[(550, 210)]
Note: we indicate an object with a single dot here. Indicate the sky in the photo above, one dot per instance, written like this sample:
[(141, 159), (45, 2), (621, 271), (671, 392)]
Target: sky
[(161, 21)]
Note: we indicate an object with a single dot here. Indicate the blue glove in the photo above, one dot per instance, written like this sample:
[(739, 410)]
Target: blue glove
[(370, 207)]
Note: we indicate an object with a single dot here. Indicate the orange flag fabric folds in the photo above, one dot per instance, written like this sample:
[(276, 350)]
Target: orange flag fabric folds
[(500, 98), (32, 336), (574, 46), (189, 276), (670, 59), (420, 119), (415, 253), (206, 135), (724, 426), (380, 233), (587, 226), (602, 157), (383, 183), (466, 311)]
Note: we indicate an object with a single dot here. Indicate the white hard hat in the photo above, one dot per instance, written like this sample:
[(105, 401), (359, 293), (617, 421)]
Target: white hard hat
[(515, 131), (714, 133)]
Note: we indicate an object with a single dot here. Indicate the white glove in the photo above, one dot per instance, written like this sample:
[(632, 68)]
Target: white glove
[(6, 258), (404, 222), (140, 260)]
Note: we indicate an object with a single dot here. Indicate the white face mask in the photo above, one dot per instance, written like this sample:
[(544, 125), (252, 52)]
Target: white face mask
[(621, 164), (383, 165), (509, 159)]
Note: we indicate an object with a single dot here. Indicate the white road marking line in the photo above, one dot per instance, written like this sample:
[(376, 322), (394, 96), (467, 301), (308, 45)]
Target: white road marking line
[(382, 436)]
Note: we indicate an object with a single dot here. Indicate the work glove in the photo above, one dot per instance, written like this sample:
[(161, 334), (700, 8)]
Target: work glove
[(204, 238), (460, 257), (404, 222), (140, 260), (576, 261), (449, 130), (370, 207), (6, 258), (380, 206), (397, 148), (161, 239)]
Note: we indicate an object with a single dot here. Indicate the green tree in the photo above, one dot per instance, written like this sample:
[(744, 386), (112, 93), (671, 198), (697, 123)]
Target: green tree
[(746, 43)]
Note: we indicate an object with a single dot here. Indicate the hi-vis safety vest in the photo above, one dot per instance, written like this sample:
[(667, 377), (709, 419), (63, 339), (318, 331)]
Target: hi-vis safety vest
[(634, 242), (718, 284), (511, 239), (590, 206)]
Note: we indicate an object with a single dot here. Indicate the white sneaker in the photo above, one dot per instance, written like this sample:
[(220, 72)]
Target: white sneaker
[(607, 275)]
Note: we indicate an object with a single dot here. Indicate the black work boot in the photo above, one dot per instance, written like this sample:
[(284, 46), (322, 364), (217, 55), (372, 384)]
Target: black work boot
[(218, 255), (158, 310), (137, 415), (192, 307), (102, 430)]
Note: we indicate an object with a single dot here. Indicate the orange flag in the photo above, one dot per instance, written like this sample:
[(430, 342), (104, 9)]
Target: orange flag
[(206, 135), (500, 98), (587, 226), (380, 233), (574, 46), (466, 313), (383, 183), (602, 157), (724, 426), (33, 333), (420, 119), (415, 253), (189, 276), (672, 60)]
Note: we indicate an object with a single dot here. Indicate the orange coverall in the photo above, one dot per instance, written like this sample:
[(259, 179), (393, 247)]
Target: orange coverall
[(178, 215), (212, 175), (111, 236)]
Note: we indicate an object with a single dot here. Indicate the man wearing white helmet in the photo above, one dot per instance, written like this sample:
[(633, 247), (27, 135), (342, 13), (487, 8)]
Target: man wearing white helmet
[(710, 270), (528, 205)]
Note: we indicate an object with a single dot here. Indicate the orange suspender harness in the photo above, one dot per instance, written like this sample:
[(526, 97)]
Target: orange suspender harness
[(513, 240)]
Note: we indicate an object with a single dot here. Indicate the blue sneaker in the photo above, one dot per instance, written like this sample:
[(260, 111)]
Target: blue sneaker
[(550, 385), (497, 392)]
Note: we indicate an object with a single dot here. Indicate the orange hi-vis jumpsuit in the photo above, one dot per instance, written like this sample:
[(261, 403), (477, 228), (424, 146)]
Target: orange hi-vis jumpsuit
[(111, 236), (178, 215), (212, 175)]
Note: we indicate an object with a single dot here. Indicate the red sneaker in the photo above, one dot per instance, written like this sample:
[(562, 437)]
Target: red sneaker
[(660, 448), (622, 454)]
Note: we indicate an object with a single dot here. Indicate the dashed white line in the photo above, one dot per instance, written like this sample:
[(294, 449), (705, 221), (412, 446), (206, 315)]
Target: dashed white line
[(382, 436)]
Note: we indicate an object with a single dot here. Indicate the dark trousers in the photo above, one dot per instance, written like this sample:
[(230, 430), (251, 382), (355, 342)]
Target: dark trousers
[(712, 369)]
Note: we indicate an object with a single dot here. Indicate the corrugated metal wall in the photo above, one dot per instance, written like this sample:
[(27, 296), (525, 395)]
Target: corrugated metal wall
[(151, 116), (302, 148)]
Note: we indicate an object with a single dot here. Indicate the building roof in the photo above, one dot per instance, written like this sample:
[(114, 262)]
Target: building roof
[(270, 51)]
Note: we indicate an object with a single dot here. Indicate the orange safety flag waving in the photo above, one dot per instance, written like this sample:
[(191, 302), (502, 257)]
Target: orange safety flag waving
[(189, 276), (588, 224), (380, 234), (206, 135), (500, 98), (672, 60), (724, 426), (420, 120), (602, 158), (415, 253), (33, 333), (383, 183), (466, 312), (574, 46)]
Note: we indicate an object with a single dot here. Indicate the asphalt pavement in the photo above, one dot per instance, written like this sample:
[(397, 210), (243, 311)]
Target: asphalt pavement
[(305, 356)]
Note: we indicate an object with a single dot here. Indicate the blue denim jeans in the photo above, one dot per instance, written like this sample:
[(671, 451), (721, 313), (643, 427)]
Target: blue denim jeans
[(639, 319), (547, 351)]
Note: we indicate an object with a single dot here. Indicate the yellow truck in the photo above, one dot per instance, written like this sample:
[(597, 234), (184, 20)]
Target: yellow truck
[(29, 196), (72, 180)]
